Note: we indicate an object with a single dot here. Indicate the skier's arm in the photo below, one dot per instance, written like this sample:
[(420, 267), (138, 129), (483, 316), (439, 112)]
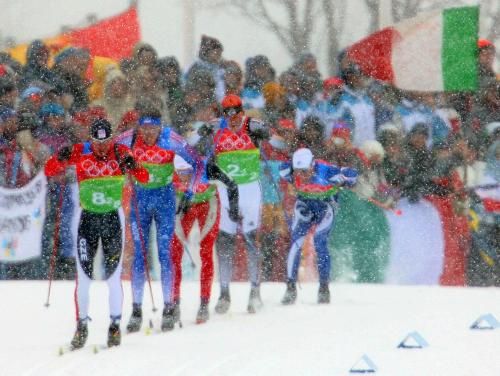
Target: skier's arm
[(59, 161), (258, 131), (349, 176), (129, 164), (215, 173)]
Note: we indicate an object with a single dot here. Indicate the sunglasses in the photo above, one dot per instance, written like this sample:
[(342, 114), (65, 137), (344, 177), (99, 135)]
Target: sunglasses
[(231, 111)]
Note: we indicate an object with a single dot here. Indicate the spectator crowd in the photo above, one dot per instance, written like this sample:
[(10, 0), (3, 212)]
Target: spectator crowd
[(405, 145)]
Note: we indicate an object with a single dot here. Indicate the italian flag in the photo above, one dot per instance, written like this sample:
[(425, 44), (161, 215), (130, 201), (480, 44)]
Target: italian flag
[(434, 51)]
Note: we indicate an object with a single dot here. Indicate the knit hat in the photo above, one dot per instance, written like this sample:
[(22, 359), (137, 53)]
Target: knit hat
[(332, 82), (54, 109), (286, 124), (302, 159), (70, 52), (32, 92), (272, 91), (341, 130), (100, 130), (485, 43), (372, 148)]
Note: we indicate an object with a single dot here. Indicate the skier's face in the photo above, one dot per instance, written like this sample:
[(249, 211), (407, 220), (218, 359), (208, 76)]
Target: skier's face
[(149, 134), (234, 119), (101, 148)]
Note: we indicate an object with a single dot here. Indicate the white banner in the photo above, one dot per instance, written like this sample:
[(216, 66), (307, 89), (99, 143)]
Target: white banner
[(22, 213)]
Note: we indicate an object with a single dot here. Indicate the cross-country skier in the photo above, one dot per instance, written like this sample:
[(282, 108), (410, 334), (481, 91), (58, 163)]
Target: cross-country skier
[(316, 183), (154, 146), (101, 166), (236, 152), (205, 209)]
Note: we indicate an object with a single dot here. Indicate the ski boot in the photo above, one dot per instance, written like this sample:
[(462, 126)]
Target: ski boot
[(223, 303), (290, 294), (323, 294), (254, 301), (168, 317), (135, 322), (81, 335), (203, 314), (177, 312), (114, 334)]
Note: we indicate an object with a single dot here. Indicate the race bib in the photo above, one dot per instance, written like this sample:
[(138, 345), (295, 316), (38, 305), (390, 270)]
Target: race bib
[(243, 166)]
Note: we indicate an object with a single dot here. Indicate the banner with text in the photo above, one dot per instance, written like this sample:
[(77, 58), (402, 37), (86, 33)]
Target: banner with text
[(22, 213)]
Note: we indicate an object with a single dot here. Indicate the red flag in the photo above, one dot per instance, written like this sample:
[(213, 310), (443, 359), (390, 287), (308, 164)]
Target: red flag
[(114, 37)]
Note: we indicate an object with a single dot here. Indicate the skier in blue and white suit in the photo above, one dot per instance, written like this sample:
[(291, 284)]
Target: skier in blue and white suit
[(317, 183)]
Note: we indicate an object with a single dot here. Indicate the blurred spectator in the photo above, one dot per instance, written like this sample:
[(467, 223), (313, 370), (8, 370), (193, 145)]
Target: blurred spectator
[(69, 68), (417, 182), (395, 164), (31, 99), (276, 104), (148, 92), (145, 55), (8, 93), (200, 90), (486, 60), (233, 77), (36, 70), (360, 105), (170, 76), (328, 109), (258, 71), (274, 228), (117, 99), (311, 136), (486, 110), (341, 151), (210, 61), (55, 134)]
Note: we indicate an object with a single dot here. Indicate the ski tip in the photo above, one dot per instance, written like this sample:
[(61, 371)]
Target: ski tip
[(95, 349)]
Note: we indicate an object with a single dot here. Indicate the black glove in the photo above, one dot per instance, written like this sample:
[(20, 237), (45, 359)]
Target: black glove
[(128, 163), (64, 154), (205, 130), (183, 205)]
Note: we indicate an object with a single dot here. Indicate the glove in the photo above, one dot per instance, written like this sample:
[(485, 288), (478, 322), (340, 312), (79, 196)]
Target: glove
[(205, 130), (234, 214), (183, 205), (128, 163), (64, 154)]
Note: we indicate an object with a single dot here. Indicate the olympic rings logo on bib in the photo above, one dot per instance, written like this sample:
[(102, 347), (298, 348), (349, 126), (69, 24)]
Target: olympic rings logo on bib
[(152, 156), (99, 168), (235, 142)]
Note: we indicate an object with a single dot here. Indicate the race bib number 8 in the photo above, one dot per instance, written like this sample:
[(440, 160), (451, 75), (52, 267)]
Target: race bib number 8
[(101, 195)]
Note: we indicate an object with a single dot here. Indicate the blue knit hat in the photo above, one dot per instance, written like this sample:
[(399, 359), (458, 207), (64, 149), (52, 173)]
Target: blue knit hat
[(51, 108)]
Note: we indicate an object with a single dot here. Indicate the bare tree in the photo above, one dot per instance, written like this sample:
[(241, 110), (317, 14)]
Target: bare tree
[(295, 33), (334, 23), (490, 22)]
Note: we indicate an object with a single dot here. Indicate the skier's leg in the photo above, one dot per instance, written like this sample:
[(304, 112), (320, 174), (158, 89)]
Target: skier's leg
[(208, 219), (164, 215), (225, 251), (88, 240), (302, 223), (112, 245), (140, 234), (322, 233)]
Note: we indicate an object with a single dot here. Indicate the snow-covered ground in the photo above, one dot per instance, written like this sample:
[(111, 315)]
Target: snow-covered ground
[(305, 339)]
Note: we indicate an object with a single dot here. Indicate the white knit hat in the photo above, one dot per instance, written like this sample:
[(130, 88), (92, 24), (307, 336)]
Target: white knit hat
[(302, 159)]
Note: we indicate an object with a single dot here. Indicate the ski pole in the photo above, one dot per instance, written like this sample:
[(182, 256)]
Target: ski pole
[(56, 240), (385, 207), (143, 248)]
